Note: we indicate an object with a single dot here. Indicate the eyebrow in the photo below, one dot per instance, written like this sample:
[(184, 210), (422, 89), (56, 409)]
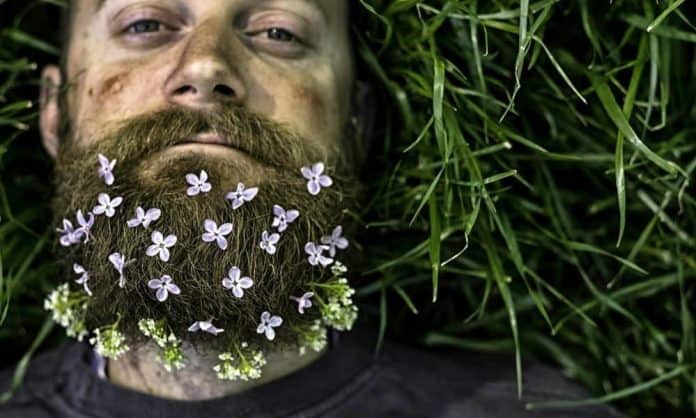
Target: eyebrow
[(316, 3)]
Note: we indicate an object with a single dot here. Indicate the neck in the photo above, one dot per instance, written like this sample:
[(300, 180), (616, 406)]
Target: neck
[(140, 370)]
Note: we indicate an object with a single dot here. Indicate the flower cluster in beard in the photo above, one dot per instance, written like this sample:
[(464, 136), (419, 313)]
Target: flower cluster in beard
[(171, 356), (242, 362), (319, 304)]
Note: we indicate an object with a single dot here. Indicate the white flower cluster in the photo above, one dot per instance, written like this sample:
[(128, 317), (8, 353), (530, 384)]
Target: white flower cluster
[(336, 304), (109, 342), (68, 310), (312, 337), (172, 358), (244, 364)]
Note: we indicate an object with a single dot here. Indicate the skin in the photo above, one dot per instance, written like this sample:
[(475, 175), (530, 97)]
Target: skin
[(289, 60)]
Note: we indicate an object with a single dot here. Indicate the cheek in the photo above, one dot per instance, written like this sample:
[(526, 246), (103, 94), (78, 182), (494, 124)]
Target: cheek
[(312, 108)]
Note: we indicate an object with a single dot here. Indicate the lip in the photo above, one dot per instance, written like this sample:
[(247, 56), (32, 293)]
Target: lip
[(213, 143), (208, 138)]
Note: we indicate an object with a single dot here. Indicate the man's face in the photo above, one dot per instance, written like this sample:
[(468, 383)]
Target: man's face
[(288, 60), (249, 91)]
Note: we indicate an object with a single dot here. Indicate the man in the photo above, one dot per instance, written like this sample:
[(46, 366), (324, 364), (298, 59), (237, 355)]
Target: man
[(206, 151)]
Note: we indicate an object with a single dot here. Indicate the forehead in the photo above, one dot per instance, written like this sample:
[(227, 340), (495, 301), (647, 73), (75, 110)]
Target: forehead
[(332, 10)]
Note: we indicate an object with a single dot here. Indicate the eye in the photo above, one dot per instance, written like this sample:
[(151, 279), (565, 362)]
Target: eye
[(281, 35), (144, 26)]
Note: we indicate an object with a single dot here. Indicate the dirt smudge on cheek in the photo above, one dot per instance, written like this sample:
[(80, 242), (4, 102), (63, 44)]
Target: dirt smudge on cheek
[(113, 85)]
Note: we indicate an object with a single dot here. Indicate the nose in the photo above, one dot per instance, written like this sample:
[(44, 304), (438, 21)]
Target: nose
[(204, 77)]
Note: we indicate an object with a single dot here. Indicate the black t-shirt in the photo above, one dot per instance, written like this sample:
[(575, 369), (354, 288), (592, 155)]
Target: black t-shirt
[(348, 381)]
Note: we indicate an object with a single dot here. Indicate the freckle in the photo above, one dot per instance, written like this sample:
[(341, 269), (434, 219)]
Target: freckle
[(91, 92)]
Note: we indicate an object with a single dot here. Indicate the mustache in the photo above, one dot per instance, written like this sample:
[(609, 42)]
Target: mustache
[(264, 140)]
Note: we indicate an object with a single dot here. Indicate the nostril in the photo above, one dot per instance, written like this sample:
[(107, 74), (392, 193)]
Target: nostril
[(185, 89), (224, 90)]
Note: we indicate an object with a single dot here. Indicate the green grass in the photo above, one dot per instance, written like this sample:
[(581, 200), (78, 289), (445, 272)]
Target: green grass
[(532, 196)]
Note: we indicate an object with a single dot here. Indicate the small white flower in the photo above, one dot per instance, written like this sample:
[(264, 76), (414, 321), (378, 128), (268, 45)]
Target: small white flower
[(316, 178), (316, 256), (283, 217), (242, 195), (236, 283), (199, 184), (85, 224), (68, 234), (269, 241), (144, 218), (268, 322), (335, 240), (215, 233), (84, 277), (107, 206), (303, 302), (119, 262), (161, 245), (205, 326), (164, 286), (106, 169)]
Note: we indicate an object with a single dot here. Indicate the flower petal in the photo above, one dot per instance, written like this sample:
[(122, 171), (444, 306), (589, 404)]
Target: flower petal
[(237, 292), (275, 321), (155, 284), (225, 229), (222, 243), (325, 181), (208, 237), (153, 214), (318, 168), (291, 215), (261, 329), (234, 273), (164, 254), (203, 176), (132, 223), (103, 198), (192, 179), (206, 187), (210, 225), (270, 333), (245, 283), (170, 241), (157, 237), (278, 210), (250, 194), (152, 250), (103, 160), (313, 187), (162, 294), (227, 283), (174, 289), (194, 327), (307, 173), (116, 201), (117, 260), (193, 191)]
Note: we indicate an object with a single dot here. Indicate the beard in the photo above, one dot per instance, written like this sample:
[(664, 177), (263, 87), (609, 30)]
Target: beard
[(148, 174)]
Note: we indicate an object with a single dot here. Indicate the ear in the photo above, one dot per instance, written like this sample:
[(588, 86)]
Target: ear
[(49, 114)]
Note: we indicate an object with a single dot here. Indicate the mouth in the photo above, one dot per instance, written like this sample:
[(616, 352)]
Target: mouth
[(210, 138), (210, 142)]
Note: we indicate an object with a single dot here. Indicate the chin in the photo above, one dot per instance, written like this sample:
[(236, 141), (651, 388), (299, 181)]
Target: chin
[(230, 166)]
